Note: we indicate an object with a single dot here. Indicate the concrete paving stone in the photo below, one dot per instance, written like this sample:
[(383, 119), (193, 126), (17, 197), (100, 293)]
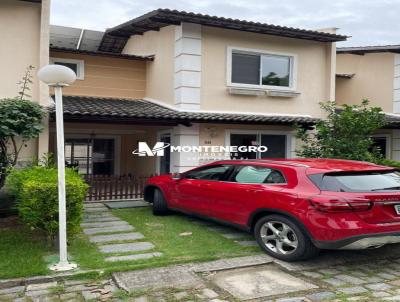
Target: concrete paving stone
[(218, 300), (118, 228), (237, 262), (37, 293), (127, 204), (103, 224), (353, 290), (386, 276), (314, 275), (380, 294), (177, 276), (180, 295), (350, 279), (93, 210), (260, 281), (40, 286), (76, 288), (89, 296), (395, 282), (68, 296), (334, 282), (294, 299), (234, 235), (126, 247), (378, 286), (141, 299), (208, 293), (220, 229), (247, 243), (393, 298), (116, 237), (329, 271), (321, 296), (11, 290), (133, 257), (93, 205), (74, 282), (373, 279), (101, 219)]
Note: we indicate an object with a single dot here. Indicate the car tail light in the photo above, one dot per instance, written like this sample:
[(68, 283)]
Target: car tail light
[(337, 204)]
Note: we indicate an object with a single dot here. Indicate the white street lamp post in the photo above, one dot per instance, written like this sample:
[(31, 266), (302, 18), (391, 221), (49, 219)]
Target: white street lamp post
[(59, 76)]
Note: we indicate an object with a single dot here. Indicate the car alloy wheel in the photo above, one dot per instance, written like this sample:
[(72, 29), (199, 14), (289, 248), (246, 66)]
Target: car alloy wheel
[(279, 237)]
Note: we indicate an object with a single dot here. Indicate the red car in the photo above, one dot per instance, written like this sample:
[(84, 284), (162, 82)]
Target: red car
[(294, 207)]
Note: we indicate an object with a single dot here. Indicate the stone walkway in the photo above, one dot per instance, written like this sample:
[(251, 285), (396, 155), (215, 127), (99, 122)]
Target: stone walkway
[(114, 237), (259, 278)]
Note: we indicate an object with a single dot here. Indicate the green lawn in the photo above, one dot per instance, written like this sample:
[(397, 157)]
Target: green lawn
[(22, 254)]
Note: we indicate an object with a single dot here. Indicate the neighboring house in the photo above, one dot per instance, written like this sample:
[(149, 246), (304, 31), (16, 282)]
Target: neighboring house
[(373, 72), (24, 32), (186, 79)]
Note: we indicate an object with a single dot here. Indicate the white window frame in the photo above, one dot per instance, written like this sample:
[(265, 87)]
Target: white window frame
[(79, 63), (388, 138), (293, 68), (290, 137)]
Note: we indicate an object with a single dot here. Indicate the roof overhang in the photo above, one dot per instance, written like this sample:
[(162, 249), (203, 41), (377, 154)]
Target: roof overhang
[(368, 49), (139, 111), (102, 54), (115, 38)]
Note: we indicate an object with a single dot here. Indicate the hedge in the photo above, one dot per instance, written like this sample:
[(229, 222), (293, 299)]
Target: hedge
[(35, 190)]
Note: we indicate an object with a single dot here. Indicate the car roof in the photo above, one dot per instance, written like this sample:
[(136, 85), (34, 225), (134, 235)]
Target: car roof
[(315, 165)]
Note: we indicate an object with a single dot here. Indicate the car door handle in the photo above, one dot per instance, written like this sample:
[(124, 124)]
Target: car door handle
[(253, 190), (204, 185)]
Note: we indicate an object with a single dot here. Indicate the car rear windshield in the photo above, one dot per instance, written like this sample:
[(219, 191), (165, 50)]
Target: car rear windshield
[(358, 182)]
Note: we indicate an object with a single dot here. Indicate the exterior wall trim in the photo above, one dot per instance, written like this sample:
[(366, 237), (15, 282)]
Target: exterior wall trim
[(187, 62)]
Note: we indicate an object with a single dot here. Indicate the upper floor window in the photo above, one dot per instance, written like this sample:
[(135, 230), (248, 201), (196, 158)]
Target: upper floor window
[(258, 69), (77, 66)]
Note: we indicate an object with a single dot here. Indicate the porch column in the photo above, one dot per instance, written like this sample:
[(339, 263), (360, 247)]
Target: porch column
[(184, 136), (395, 154)]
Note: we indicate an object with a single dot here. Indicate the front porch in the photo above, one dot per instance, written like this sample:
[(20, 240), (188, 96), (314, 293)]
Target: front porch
[(101, 134)]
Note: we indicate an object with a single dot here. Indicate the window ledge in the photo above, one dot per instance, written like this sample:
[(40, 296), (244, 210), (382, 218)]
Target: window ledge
[(263, 92)]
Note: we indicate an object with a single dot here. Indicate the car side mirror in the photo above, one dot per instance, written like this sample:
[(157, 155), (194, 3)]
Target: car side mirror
[(177, 176)]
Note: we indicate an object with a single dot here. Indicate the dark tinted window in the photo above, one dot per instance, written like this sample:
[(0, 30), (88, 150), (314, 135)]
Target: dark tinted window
[(72, 66), (245, 68), (209, 173), (258, 175), (360, 182)]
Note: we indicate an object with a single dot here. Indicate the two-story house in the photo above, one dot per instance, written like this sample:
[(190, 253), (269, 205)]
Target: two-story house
[(185, 79), (373, 72)]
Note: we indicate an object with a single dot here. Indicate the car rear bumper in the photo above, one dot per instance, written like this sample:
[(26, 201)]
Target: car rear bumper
[(360, 242)]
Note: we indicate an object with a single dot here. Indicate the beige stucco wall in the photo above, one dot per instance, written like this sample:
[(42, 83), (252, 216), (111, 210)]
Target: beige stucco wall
[(314, 73), (373, 79), (160, 72), (24, 35), (107, 77)]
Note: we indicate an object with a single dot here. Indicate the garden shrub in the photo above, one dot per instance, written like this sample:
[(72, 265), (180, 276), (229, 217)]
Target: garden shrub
[(36, 192)]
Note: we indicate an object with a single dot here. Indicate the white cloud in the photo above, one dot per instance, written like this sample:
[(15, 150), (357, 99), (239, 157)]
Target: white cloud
[(369, 22)]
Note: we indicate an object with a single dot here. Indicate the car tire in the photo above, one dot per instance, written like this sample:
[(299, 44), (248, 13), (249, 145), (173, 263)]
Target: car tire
[(160, 206), (290, 244)]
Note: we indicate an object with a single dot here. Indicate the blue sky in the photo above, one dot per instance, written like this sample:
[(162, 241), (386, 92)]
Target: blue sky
[(369, 22)]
